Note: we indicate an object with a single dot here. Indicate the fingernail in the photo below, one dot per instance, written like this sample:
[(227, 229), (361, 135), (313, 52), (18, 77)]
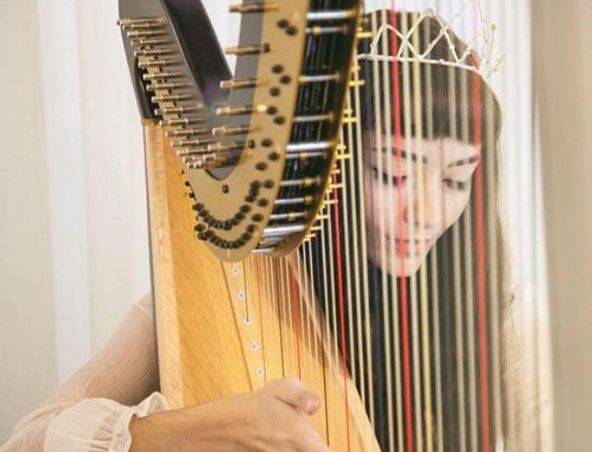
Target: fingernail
[(312, 405)]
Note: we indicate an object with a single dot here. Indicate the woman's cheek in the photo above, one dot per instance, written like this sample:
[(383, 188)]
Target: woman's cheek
[(457, 204)]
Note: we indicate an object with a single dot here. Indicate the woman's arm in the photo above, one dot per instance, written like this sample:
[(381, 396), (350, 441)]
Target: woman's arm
[(98, 396), (100, 409), (271, 419)]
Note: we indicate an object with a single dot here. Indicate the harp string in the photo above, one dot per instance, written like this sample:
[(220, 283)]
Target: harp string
[(386, 305), (345, 215), (296, 298), (457, 293), (481, 276), (422, 322), (360, 186), (434, 282), (266, 282), (354, 274), (402, 120), (378, 243), (304, 325), (312, 303), (468, 277)]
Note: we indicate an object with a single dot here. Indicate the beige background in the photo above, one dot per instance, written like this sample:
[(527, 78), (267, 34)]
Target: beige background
[(27, 334), (73, 233)]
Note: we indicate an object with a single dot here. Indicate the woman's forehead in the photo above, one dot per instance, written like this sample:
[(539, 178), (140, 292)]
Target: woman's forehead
[(444, 150)]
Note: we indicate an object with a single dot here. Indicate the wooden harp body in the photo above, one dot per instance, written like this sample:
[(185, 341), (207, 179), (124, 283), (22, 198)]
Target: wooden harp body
[(210, 345)]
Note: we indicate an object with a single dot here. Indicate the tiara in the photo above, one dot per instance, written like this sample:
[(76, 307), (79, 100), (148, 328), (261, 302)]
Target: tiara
[(486, 62)]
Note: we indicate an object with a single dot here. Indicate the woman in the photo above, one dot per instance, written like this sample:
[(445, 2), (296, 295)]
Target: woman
[(424, 189), (425, 231)]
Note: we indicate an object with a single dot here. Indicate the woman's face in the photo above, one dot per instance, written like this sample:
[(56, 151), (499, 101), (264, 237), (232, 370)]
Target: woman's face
[(414, 192)]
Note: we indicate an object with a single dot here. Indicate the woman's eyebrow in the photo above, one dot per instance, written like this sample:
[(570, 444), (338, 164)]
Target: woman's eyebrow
[(465, 161), (405, 155)]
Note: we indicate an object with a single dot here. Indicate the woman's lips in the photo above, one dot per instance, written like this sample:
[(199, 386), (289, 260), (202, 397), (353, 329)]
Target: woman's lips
[(415, 247)]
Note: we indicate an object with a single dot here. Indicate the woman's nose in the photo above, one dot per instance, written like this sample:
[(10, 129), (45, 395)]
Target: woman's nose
[(425, 204)]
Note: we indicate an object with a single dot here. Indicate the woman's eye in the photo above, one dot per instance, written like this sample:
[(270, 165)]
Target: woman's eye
[(456, 184), (388, 179)]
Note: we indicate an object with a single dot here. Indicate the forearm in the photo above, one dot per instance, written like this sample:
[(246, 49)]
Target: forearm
[(203, 428)]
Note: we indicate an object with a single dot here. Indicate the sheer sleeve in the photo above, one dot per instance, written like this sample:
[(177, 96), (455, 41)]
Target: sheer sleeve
[(91, 412)]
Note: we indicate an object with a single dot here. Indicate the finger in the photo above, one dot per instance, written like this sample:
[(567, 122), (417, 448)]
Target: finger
[(311, 441), (294, 393)]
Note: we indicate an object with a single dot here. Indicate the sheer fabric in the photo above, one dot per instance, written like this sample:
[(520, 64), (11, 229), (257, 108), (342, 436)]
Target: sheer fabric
[(91, 412)]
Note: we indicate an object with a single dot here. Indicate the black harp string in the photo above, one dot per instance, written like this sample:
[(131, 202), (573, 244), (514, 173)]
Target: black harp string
[(360, 182), (389, 87), (434, 270), (348, 179), (379, 273), (423, 320), (469, 280), (386, 134), (344, 205)]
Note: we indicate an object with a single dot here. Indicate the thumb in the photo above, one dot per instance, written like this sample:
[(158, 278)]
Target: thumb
[(293, 392)]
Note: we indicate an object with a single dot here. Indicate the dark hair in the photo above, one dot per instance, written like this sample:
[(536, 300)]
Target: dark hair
[(442, 87), (448, 97)]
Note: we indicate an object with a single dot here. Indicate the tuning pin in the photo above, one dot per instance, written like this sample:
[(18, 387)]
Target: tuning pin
[(192, 143), (240, 110), (225, 147), (154, 52), (177, 110), (229, 131), (304, 79), (247, 50), (306, 182), (319, 31), (143, 42), (182, 121), (146, 33), (364, 34), (157, 63), (314, 118), (306, 200), (134, 24), (171, 98), (356, 83), (281, 231), (290, 216), (309, 146), (162, 76), (323, 16), (254, 7), (183, 132), (166, 86), (239, 83)]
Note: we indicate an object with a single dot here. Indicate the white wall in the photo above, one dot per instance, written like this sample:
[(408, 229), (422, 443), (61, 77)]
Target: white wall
[(73, 231), (27, 334)]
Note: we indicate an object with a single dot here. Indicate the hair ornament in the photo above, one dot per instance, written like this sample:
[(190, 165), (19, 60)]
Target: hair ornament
[(486, 63)]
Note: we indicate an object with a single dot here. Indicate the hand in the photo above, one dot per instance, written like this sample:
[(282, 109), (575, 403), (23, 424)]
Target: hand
[(272, 419)]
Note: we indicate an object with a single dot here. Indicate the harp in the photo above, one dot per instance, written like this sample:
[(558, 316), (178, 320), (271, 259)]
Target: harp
[(294, 230)]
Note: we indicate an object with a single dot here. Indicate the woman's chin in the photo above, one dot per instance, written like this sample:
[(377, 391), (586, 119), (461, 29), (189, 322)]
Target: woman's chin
[(403, 266)]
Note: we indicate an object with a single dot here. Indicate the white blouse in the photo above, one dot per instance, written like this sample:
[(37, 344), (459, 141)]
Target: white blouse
[(92, 411)]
